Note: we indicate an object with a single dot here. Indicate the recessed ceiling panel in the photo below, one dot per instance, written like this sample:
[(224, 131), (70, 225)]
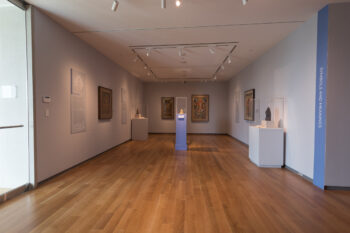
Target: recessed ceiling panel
[(184, 61)]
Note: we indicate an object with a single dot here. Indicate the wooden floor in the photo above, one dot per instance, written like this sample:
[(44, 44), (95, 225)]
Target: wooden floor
[(147, 187)]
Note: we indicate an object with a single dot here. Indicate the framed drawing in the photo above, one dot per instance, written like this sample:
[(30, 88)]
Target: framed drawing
[(249, 97), (77, 102), (167, 108), (200, 108), (104, 103)]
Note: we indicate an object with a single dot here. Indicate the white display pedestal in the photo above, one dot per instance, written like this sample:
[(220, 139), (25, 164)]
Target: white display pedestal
[(266, 146), (139, 129)]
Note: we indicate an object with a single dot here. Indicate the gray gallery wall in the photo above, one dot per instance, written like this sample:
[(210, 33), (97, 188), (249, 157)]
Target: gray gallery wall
[(217, 92), (55, 52), (287, 70), (337, 172)]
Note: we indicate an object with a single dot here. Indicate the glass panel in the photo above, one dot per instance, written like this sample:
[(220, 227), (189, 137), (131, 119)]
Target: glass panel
[(181, 103), (14, 169)]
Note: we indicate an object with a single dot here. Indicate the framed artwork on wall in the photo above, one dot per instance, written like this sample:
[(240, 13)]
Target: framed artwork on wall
[(104, 103), (249, 108), (200, 108), (78, 102), (167, 108)]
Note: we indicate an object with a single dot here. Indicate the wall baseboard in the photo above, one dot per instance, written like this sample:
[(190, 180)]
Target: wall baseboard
[(336, 188), (190, 133), (13, 193), (159, 133), (82, 162), (298, 173), (243, 143)]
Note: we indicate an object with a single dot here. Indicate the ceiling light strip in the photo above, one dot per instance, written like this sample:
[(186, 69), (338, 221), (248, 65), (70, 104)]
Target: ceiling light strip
[(214, 76), (139, 58), (192, 27), (194, 45), (223, 62)]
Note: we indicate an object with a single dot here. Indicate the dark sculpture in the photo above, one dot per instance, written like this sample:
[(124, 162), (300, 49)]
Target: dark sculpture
[(268, 114)]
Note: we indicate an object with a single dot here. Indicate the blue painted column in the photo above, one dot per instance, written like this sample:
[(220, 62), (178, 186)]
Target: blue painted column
[(321, 98), (181, 132)]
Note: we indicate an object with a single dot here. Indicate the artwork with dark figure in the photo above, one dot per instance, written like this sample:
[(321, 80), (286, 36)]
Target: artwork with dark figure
[(268, 114)]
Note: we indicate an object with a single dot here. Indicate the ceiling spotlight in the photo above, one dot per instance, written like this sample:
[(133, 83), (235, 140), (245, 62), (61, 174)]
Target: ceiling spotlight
[(211, 50), (115, 5), (229, 60), (178, 3), (148, 73), (136, 59), (145, 67), (222, 67), (244, 2), (163, 3), (215, 77), (148, 52)]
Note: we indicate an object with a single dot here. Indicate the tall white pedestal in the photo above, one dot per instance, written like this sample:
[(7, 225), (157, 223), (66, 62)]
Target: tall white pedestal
[(266, 146), (139, 129)]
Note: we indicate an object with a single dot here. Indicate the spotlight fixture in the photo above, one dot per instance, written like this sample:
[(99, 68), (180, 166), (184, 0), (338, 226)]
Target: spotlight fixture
[(148, 73), (222, 67), (244, 2), (229, 61), (163, 3), (178, 3), (215, 77), (145, 67), (211, 49), (115, 5), (136, 59), (148, 53)]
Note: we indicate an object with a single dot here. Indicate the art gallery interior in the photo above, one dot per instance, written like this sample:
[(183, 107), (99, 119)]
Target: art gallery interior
[(174, 116)]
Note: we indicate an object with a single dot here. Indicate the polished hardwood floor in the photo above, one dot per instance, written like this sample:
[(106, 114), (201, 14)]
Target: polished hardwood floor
[(147, 187)]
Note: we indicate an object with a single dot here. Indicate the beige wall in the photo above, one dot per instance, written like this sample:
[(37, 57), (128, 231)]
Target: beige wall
[(337, 172), (55, 52), (217, 92)]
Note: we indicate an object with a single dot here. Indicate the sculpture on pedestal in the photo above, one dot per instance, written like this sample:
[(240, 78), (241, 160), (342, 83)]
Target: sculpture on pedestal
[(268, 114)]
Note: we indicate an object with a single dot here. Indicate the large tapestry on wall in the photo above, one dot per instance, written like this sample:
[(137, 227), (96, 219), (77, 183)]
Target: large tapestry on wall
[(249, 97), (200, 108), (77, 102), (104, 103), (167, 108)]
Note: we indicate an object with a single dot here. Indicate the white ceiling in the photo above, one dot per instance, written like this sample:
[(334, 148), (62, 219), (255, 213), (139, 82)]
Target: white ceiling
[(255, 27)]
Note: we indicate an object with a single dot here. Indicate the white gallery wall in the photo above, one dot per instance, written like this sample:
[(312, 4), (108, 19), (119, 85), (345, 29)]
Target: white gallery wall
[(217, 92), (287, 70), (55, 52), (14, 161)]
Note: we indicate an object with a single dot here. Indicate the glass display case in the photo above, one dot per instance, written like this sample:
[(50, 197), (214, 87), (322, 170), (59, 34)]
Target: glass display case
[(269, 112), (181, 103)]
